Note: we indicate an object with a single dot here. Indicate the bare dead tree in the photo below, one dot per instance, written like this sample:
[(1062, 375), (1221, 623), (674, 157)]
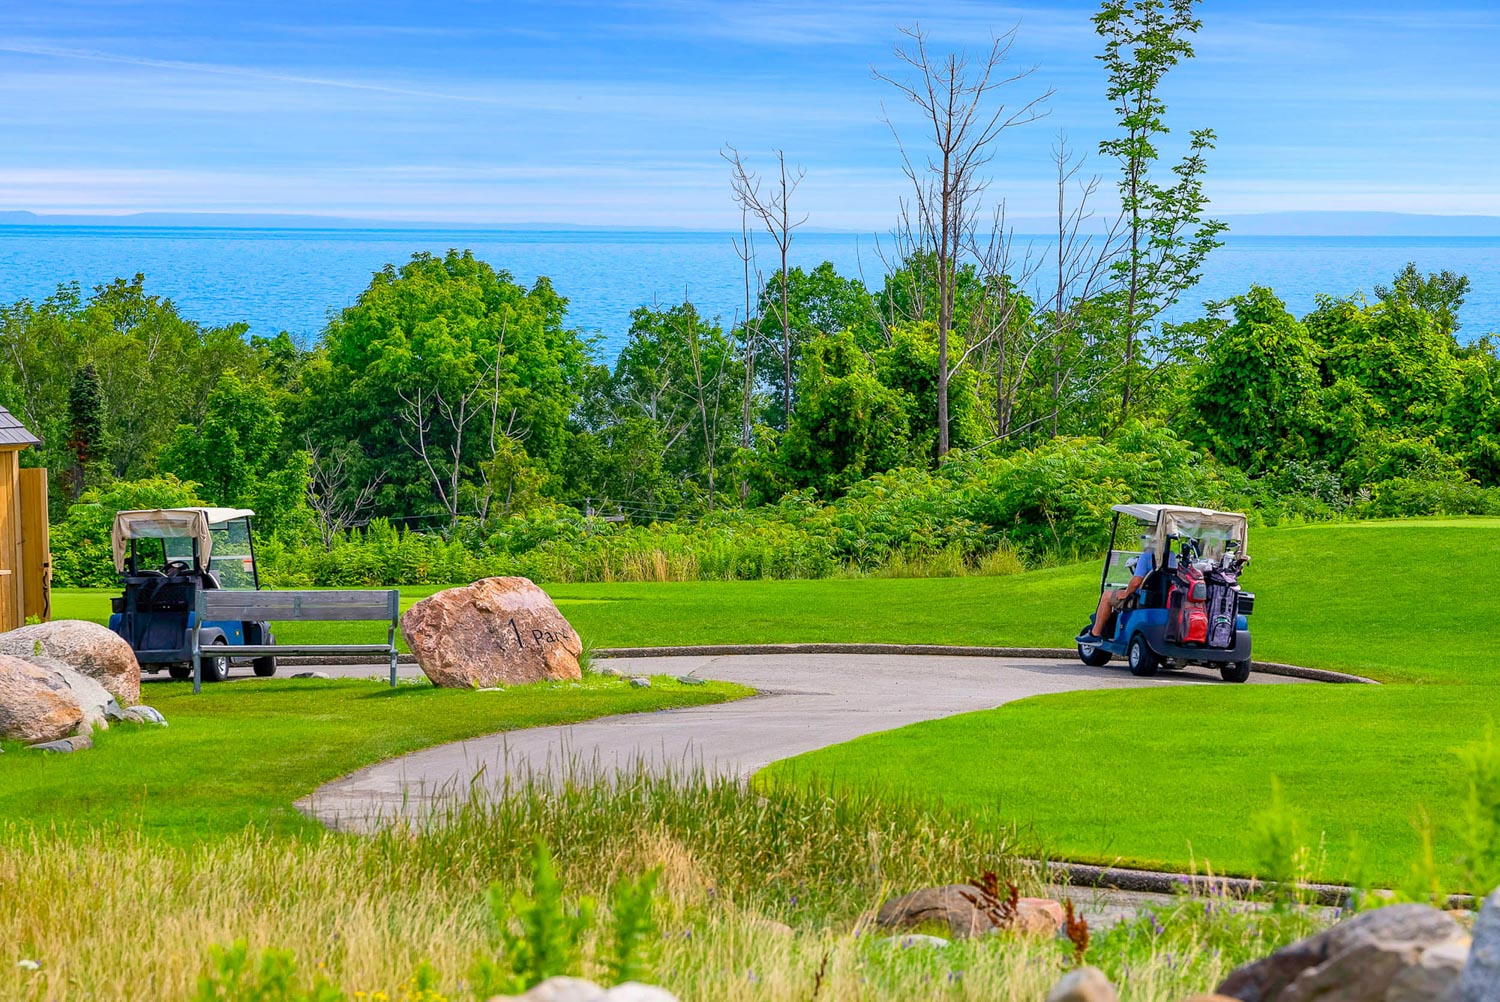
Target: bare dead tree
[(336, 503), (424, 406), (1083, 271), (773, 209), (954, 95), (750, 335), (707, 392)]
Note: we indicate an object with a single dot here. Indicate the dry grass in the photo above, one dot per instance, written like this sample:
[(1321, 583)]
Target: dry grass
[(116, 915)]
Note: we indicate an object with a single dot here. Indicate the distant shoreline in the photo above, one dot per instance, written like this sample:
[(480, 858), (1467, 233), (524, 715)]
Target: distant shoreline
[(1274, 224)]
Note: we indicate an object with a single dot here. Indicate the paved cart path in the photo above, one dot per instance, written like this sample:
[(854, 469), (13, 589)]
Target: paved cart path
[(805, 701)]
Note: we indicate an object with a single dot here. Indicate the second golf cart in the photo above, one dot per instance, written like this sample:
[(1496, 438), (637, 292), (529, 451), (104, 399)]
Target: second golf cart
[(1189, 609), (165, 557)]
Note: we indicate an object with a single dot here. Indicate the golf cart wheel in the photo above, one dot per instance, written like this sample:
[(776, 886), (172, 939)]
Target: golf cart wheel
[(181, 672), (1235, 671), (216, 666), (265, 667), (1094, 657), (1141, 658)]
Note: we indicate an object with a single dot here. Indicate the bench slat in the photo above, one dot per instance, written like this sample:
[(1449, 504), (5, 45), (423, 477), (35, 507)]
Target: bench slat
[(299, 605)]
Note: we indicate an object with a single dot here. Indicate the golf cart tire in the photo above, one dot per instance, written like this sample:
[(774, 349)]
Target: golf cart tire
[(1094, 657), (1235, 671), (265, 667), (216, 665), (182, 672), (1142, 659)]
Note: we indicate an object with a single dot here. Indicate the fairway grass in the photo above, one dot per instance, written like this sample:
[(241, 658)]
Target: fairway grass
[(240, 753), (1173, 778), (1398, 601)]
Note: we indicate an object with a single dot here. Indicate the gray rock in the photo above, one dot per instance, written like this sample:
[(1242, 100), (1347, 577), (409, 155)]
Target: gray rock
[(634, 991), (143, 714), (1480, 981), (98, 706), (36, 705), (915, 939), (1382, 943), (1086, 984), (559, 989), (78, 742), (689, 680), (87, 648), (949, 906), (608, 671), (312, 674), (641, 682), (1434, 977)]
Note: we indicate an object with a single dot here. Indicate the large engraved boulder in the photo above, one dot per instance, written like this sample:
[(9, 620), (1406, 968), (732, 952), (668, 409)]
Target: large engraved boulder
[(497, 631), (87, 648), (35, 704)]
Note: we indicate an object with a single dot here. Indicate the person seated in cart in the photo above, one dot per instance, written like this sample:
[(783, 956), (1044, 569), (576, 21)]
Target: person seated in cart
[(1112, 601)]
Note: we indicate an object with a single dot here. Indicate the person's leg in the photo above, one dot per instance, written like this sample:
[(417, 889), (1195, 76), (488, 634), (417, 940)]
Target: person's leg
[(1101, 617)]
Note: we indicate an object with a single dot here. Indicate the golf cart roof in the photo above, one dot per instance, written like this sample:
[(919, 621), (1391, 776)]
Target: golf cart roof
[(1167, 520), (171, 523)]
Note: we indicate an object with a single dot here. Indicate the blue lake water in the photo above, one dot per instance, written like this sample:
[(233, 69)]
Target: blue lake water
[(290, 279)]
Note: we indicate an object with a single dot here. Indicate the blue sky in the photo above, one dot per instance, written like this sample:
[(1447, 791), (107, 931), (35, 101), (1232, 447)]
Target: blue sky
[(613, 113)]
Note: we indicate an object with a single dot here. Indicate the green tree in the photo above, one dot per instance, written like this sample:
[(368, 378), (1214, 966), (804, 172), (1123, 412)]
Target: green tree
[(1257, 387), (235, 456), (436, 362), (846, 424), (86, 425), (1166, 235), (1438, 294)]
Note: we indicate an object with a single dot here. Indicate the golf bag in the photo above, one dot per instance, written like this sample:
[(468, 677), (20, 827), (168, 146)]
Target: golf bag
[(1223, 607), (1187, 604)]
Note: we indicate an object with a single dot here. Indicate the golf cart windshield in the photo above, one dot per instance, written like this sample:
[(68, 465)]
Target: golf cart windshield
[(1163, 526), (216, 540)]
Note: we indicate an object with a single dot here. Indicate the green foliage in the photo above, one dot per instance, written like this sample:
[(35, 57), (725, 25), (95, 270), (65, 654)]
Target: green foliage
[(1277, 840), (235, 975), (81, 553), (633, 943), (235, 455), (1479, 824), (538, 937)]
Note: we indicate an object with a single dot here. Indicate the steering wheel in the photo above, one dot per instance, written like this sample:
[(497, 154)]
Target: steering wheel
[(177, 566)]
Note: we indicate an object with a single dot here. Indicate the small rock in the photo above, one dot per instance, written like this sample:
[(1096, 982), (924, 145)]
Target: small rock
[(312, 674), (772, 926), (28, 965), (641, 682), (1480, 981), (689, 680), (78, 742), (949, 905), (609, 671), (1209, 998), (143, 714), (1086, 984), (914, 939), (559, 989), (491, 688)]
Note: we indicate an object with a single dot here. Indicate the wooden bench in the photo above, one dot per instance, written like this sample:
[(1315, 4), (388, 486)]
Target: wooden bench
[(297, 607)]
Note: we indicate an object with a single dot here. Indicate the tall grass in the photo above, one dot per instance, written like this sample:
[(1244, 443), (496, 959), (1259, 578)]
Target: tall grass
[(758, 894)]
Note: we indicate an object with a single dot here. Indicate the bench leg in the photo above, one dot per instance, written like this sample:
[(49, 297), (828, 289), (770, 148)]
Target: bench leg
[(197, 671), (393, 667)]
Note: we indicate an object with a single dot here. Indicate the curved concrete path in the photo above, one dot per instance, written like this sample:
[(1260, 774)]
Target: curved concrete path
[(804, 701)]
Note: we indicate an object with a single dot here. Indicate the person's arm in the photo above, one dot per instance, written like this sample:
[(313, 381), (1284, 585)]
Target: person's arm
[(1133, 587)]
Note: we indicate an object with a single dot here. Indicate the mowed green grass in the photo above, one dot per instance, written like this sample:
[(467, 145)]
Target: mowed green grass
[(1173, 778), (240, 753), (1399, 601)]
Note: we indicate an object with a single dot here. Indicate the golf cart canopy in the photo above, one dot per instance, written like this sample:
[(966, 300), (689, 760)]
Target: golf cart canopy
[(171, 523), (1212, 529)]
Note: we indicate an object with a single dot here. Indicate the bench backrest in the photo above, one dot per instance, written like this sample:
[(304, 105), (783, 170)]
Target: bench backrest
[(316, 606)]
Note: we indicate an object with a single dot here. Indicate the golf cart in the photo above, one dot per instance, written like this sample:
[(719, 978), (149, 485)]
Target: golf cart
[(1190, 608), (165, 557)]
